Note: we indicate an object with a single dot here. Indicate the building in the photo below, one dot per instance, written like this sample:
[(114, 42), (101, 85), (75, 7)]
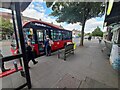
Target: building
[(8, 16), (75, 33), (112, 22)]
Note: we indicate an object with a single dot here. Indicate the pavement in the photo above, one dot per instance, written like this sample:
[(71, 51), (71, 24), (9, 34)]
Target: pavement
[(87, 68)]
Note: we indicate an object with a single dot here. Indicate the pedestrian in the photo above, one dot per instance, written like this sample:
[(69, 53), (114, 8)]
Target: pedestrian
[(89, 38), (48, 43), (99, 40), (3, 69), (30, 50)]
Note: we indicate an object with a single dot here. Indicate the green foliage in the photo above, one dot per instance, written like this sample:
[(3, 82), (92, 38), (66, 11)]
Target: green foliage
[(88, 34), (6, 26), (97, 32), (79, 35), (73, 12)]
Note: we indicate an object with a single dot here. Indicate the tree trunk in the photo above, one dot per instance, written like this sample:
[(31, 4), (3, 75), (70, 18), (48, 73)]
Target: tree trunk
[(82, 35)]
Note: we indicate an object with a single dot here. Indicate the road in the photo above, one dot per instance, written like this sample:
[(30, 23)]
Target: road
[(5, 47)]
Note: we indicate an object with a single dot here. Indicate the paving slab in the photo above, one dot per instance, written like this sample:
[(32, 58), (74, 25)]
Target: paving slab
[(91, 83), (68, 81)]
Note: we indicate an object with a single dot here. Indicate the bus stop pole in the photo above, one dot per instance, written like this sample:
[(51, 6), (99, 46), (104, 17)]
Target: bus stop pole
[(16, 36), (13, 15), (22, 43)]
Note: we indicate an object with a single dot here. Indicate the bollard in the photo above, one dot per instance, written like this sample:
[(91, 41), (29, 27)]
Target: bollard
[(15, 65)]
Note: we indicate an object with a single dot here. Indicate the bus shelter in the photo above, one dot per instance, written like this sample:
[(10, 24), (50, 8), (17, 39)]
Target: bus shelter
[(16, 9)]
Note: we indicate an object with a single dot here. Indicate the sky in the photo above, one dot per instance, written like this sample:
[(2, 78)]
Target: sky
[(38, 10)]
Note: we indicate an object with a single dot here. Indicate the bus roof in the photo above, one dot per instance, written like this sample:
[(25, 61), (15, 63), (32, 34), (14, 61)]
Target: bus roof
[(45, 23)]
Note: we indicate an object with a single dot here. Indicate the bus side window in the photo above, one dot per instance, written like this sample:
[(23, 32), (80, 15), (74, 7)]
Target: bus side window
[(60, 35), (69, 35), (52, 34), (65, 35), (56, 36)]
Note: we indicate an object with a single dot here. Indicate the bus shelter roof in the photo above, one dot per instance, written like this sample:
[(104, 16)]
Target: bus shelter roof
[(9, 5)]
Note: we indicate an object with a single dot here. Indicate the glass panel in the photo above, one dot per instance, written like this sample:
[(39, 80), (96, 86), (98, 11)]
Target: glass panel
[(56, 35), (40, 40), (52, 34), (60, 35), (40, 35), (28, 31), (14, 79), (67, 35)]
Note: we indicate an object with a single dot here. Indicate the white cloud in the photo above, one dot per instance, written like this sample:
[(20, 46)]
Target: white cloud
[(91, 24), (31, 12), (72, 26), (5, 10), (37, 11)]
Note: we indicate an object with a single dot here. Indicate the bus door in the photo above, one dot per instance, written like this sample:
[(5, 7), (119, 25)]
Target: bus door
[(40, 40), (47, 32), (41, 36)]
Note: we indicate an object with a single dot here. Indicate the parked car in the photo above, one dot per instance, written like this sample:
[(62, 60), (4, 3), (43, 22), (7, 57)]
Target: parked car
[(86, 37)]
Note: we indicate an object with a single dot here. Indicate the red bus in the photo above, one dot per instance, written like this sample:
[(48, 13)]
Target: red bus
[(39, 29)]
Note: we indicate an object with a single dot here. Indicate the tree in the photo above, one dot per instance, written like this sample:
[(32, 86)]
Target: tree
[(5, 26), (88, 34), (97, 32), (73, 12), (79, 35)]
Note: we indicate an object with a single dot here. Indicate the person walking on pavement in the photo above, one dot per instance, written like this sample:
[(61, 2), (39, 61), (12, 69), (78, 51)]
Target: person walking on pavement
[(30, 50), (48, 42), (100, 40), (3, 69), (89, 38)]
